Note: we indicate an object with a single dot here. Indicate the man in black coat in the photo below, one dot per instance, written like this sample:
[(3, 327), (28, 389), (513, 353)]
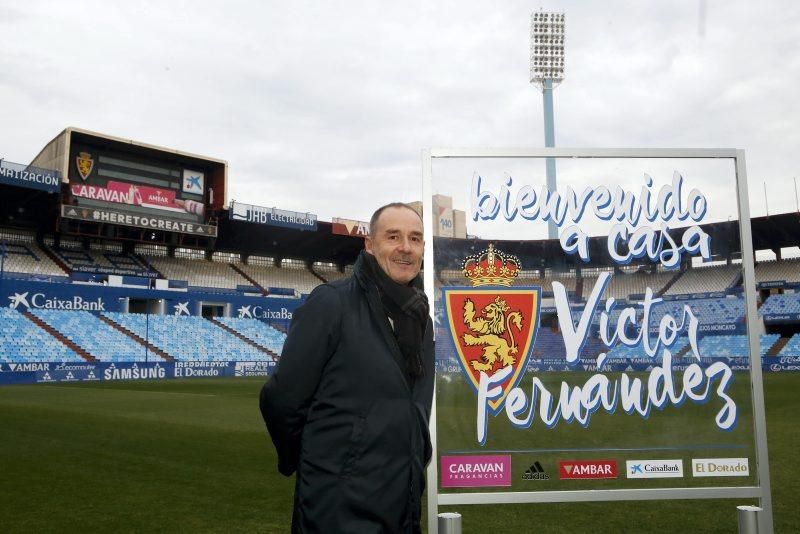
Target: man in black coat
[(349, 403)]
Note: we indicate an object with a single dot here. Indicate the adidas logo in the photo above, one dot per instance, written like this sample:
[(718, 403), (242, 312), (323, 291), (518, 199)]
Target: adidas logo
[(535, 472)]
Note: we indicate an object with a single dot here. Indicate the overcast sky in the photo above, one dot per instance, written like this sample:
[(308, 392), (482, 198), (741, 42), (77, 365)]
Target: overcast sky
[(325, 106)]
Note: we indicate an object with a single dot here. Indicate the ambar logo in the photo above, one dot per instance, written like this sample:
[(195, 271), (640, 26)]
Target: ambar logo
[(583, 469), (535, 472)]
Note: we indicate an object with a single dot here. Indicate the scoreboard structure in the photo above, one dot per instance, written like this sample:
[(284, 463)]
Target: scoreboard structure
[(124, 189)]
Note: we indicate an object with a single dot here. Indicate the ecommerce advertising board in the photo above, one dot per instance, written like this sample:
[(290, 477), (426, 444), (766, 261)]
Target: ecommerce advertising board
[(594, 366)]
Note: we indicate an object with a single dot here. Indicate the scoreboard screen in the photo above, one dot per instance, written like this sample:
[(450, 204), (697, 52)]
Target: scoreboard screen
[(101, 178)]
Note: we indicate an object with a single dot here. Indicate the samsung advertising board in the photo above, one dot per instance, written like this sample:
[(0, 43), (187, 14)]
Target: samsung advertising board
[(52, 372), (273, 216), (618, 378)]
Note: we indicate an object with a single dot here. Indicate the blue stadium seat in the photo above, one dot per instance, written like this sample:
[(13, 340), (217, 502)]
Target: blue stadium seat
[(188, 338), (23, 341), (93, 335), (257, 331)]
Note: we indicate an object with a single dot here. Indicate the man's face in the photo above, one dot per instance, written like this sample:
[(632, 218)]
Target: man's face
[(397, 244)]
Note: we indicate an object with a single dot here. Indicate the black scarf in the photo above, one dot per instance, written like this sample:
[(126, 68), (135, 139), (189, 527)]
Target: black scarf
[(407, 306)]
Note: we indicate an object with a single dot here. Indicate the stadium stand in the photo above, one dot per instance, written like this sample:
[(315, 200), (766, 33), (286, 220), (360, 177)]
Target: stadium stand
[(455, 277), (706, 279), (720, 310), (188, 338), (107, 258), (257, 331), (23, 255), (330, 272), (452, 277), (780, 304), (198, 272), (792, 347), (624, 352), (550, 345), (722, 346), (291, 275), (23, 341), (228, 271), (624, 284), (93, 335), (534, 278), (785, 270)]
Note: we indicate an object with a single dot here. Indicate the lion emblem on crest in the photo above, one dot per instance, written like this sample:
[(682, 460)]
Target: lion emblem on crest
[(489, 329)]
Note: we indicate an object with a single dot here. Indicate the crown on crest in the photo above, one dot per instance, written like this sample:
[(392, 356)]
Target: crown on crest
[(491, 267)]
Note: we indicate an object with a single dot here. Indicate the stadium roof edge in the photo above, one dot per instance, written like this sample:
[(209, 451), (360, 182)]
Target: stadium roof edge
[(70, 129)]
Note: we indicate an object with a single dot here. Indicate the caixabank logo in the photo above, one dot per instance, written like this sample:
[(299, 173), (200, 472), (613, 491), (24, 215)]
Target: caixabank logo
[(654, 468), (21, 301), (492, 325)]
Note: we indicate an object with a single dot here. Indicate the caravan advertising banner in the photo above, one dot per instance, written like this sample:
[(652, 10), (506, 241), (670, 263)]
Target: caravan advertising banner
[(583, 340)]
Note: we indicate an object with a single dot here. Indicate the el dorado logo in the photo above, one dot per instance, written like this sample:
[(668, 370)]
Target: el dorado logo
[(492, 325), (85, 164)]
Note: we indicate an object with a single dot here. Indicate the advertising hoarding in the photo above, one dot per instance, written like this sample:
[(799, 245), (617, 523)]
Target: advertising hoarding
[(349, 227), (29, 177), (148, 222), (544, 389), (273, 216)]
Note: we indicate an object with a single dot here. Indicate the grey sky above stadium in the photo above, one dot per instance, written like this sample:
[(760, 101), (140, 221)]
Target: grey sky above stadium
[(324, 106)]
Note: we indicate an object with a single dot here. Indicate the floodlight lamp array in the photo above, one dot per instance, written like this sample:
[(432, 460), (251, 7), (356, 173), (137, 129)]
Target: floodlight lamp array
[(547, 47)]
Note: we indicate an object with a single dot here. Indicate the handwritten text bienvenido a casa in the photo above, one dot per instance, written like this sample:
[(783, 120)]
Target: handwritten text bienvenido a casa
[(627, 240)]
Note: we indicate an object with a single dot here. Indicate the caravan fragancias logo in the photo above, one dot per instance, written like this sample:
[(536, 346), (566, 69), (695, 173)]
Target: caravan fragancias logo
[(492, 324)]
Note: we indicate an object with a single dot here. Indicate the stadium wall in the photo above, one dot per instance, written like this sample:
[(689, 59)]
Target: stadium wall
[(51, 372), (24, 295)]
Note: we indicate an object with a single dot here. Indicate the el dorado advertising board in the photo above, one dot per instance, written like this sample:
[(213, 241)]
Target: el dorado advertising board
[(587, 366)]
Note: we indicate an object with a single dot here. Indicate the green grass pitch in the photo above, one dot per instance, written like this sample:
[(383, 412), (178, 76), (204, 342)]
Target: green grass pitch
[(193, 456)]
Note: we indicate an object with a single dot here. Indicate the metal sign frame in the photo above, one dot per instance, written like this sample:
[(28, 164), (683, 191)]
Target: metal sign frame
[(762, 490)]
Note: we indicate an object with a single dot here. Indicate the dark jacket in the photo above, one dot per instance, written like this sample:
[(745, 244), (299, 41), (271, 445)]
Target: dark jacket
[(341, 414)]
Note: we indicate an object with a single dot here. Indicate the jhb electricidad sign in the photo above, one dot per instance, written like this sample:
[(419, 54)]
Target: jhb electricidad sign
[(592, 334)]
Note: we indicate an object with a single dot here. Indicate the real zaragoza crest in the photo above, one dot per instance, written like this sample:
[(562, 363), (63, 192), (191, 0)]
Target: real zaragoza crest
[(85, 164), (492, 325)]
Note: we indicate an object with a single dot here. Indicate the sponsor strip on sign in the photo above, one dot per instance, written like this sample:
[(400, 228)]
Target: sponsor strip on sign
[(720, 467), (654, 468), (582, 469), (476, 471)]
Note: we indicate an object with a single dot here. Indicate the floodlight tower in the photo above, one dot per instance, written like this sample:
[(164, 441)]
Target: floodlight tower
[(547, 71)]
